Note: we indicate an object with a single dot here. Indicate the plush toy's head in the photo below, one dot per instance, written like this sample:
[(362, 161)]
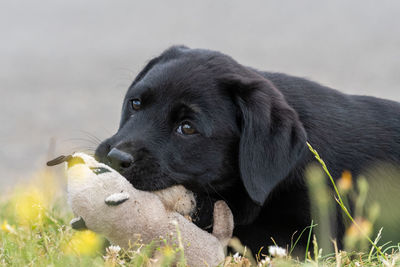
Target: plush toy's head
[(94, 186)]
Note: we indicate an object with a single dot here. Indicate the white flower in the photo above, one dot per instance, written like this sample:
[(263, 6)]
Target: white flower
[(277, 251), (237, 257), (265, 261), (386, 263), (114, 249), (112, 256)]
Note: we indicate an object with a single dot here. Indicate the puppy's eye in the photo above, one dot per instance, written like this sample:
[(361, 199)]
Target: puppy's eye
[(136, 104), (186, 128)]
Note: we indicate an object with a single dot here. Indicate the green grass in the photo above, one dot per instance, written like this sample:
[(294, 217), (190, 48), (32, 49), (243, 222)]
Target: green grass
[(35, 231)]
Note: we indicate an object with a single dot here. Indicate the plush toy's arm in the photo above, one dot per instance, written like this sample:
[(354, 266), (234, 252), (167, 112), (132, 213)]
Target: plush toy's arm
[(223, 222), (200, 247)]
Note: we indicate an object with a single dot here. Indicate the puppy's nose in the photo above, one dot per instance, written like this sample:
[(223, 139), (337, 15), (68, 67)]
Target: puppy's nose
[(119, 159)]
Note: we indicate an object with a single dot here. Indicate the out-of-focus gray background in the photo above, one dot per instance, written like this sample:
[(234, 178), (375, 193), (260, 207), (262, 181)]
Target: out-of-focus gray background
[(65, 65)]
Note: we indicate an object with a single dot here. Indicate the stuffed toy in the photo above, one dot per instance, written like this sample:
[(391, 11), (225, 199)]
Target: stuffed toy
[(106, 203)]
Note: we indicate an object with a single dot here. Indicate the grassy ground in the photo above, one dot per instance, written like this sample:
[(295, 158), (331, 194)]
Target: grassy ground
[(35, 231)]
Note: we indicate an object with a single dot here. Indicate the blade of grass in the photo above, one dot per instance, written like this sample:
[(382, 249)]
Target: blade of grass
[(378, 237), (340, 201), (309, 239), (298, 238)]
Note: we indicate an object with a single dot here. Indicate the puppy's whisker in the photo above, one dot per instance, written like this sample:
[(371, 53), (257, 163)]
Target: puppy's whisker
[(81, 140), (107, 131), (92, 137), (83, 143), (91, 140), (87, 150)]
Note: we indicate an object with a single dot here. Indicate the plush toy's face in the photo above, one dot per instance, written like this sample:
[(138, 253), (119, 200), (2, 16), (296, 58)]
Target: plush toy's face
[(102, 197), (85, 172)]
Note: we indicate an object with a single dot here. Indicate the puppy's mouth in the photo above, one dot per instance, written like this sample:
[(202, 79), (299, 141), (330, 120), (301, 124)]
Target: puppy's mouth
[(202, 216), (147, 179), (152, 180)]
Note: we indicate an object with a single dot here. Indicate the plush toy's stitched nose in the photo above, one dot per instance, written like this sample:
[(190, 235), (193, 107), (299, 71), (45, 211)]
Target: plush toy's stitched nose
[(119, 159)]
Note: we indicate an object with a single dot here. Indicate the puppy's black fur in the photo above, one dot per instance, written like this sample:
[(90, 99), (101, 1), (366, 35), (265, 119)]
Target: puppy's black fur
[(248, 146)]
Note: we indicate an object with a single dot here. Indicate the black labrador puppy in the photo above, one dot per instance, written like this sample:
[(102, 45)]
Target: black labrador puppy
[(226, 131)]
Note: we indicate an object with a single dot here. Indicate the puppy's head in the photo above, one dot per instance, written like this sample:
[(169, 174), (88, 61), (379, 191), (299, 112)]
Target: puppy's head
[(198, 118)]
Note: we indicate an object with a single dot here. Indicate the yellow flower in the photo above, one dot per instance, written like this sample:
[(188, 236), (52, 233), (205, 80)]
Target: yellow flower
[(83, 243), (168, 251), (345, 183), (7, 228), (29, 206), (365, 226), (32, 198)]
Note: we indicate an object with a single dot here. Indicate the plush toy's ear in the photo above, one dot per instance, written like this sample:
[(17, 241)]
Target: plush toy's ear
[(272, 136)]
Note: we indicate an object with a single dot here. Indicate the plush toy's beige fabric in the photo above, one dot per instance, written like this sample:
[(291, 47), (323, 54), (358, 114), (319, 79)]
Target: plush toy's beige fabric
[(131, 213), (178, 198)]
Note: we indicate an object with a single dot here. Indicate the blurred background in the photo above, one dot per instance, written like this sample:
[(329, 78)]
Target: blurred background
[(65, 65)]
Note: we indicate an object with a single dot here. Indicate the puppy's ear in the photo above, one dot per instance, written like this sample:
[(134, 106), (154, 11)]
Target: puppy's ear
[(272, 136)]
